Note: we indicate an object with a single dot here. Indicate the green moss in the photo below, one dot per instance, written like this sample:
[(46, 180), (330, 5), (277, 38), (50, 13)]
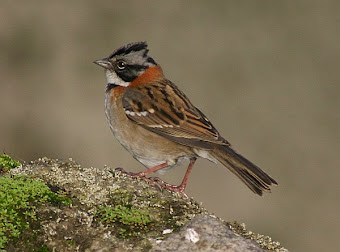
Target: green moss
[(20, 196), (129, 221), (43, 248), (145, 213), (7, 163)]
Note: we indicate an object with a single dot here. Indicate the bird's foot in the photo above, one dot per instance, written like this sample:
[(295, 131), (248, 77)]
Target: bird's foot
[(168, 186), (131, 174), (154, 181)]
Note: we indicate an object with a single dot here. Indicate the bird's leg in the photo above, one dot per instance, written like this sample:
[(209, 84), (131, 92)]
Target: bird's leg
[(153, 169), (179, 188), (182, 186), (143, 173)]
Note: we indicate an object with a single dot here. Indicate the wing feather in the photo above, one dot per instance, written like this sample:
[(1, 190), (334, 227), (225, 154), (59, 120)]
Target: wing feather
[(162, 108)]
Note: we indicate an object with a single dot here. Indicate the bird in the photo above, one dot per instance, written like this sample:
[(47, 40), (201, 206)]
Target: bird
[(159, 126)]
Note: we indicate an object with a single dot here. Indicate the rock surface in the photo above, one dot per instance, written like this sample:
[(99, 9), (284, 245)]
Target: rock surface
[(205, 233), (111, 211)]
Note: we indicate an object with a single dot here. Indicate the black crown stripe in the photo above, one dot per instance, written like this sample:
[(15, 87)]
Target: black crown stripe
[(132, 47)]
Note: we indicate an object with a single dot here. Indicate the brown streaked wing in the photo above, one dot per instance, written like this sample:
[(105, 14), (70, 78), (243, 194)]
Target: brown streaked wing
[(162, 108)]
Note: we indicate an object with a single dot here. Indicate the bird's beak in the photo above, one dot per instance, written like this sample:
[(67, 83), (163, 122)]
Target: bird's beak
[(103, 63)]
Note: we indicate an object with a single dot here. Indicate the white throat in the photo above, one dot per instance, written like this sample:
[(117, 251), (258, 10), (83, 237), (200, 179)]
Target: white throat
[(111, 77)]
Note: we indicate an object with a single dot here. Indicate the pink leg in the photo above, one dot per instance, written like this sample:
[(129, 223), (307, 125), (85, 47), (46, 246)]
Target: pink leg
[(143, 173), (153, 169), (168, 186), (182, 186)]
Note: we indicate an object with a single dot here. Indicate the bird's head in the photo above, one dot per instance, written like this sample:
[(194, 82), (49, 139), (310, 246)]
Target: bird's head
[(130, 65)]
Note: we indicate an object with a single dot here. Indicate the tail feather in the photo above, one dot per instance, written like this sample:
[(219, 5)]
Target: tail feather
[(257, 180)]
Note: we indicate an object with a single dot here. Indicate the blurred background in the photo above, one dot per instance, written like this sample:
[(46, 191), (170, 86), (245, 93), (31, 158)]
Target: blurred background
[(266, 73)]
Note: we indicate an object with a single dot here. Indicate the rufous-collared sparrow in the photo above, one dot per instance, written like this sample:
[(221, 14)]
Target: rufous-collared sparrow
[(158, 124)]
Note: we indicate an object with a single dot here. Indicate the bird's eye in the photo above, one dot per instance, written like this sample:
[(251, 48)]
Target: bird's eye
[(121, 65)]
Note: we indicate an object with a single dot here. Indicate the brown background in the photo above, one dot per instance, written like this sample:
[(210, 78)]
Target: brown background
[(265, 72)]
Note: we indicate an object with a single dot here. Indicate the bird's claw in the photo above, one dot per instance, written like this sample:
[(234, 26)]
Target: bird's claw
[(154, 181)]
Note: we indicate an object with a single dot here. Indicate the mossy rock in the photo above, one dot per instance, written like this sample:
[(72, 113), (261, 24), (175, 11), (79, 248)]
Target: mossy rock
[(90, 209), (20, 197), (7, 163)]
